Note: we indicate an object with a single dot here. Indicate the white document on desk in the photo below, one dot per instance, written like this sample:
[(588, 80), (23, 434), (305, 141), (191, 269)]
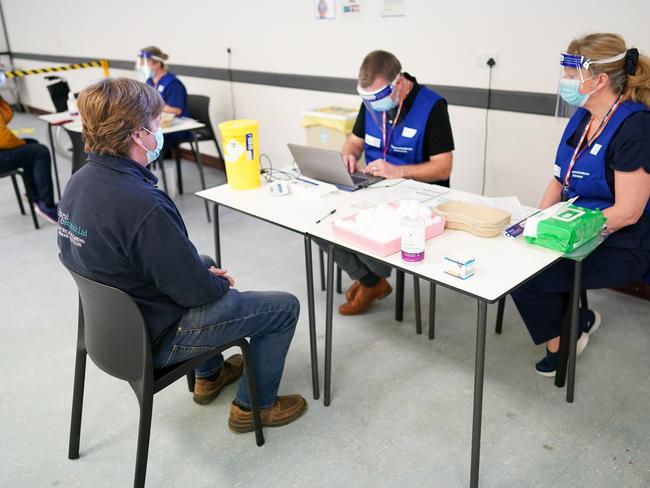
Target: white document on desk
[(510, 205), (406, 190), (308, 188)]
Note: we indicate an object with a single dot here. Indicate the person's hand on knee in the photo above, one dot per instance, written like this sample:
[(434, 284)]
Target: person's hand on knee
[(222, 273)]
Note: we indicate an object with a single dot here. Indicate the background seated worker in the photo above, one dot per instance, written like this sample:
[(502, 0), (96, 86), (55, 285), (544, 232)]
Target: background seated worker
[(152, 65), (604, 160), (34, 159), (403, 128), (117, 228)]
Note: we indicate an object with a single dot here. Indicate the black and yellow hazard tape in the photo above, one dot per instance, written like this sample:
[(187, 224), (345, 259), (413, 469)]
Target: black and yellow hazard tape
[(54, 69)]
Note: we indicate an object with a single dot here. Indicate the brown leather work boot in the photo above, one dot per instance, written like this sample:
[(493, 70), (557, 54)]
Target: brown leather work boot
[(205, 390), (364, 298), (354, 287), (285, 410)]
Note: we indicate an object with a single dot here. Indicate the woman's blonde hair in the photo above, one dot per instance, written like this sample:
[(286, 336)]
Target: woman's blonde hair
[(112, 109), (629, 76)]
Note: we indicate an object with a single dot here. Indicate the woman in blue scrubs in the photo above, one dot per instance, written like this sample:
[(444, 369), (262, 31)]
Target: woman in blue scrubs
[(604, 160), (152, 62)]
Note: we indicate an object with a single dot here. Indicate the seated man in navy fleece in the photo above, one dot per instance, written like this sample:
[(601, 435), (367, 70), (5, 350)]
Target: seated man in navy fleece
[(117, 228)]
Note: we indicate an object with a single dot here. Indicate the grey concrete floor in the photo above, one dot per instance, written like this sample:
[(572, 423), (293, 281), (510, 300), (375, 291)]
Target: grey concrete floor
[(401, 409)]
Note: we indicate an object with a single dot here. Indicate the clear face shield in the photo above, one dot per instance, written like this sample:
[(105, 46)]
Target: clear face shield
[(143, 65), (575, 70), (381, 100)]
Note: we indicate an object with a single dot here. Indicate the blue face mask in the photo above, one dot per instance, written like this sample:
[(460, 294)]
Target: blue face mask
[(570, 92), (153, 154), (383, 105)]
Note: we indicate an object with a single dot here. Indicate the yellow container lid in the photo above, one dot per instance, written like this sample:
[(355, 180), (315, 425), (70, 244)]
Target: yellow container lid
[(236, 127)]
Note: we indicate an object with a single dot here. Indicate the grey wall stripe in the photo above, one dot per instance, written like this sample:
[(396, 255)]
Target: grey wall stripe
[(511, 101)]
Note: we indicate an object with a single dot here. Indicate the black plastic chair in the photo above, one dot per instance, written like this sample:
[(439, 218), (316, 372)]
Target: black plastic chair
[(198, 108), (112, 332), (14, 182), (79, 156)]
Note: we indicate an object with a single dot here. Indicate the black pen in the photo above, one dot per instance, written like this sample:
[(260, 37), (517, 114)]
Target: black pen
[(323, 218)]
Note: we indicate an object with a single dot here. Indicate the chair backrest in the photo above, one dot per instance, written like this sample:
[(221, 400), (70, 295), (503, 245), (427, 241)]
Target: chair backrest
[(116, 337), (198, 108), (79, 156)]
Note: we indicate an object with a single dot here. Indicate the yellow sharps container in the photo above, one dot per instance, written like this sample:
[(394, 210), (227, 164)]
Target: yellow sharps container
[(240, 142)]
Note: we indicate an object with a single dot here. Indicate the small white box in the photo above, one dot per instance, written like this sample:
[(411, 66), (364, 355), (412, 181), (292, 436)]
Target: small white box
[(461, 266)]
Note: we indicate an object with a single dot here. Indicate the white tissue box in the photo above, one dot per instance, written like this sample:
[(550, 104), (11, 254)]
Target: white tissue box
[(460, 265)]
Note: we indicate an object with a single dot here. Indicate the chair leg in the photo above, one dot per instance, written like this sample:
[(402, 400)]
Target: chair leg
[(78, 390), (252, 391), (399, 295), (144, 433), (14, 182), (30, 202), (338, 280), (179, 173), (418, 313), (321, 262), (501, 307), (77, 404), (432, 310), (584, 303), (191, 380)]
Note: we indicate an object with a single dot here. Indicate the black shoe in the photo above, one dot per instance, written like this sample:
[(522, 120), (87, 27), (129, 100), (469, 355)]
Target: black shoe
[(548, 365), (590, 321), (49, 214)]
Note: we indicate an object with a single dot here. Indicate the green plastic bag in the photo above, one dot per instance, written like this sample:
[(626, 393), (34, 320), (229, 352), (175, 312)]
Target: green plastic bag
[(569, 229)]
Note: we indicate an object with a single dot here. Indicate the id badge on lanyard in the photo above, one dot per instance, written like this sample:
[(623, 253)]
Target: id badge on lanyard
[(578, 151), (392, 128)]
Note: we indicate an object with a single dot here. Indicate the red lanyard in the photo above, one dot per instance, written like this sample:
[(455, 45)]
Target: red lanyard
[(579, 151), (383, 128)]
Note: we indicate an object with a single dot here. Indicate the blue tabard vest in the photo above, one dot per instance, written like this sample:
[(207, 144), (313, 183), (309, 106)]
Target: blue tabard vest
[(407, 138)]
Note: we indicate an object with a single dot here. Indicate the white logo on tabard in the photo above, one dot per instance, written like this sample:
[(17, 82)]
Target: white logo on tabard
[(596, 149), (161, 88), (557, 171), (233, 151), (409, 132), (373, 141)]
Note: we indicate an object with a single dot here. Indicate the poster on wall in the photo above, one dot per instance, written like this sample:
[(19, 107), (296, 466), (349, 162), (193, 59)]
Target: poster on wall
[(325, 9), (351, 8), (393, 8)]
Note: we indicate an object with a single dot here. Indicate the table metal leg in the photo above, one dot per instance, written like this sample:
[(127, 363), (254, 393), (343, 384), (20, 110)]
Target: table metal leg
[(328, 324), (312, 317), (54, 165), (573, 336), (217, 240), (500, 309), (321, 262), (479, 370), (418, 313), (399, 295), (432, 310)]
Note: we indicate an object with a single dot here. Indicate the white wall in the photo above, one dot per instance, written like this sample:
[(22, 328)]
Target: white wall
[(436, 41)]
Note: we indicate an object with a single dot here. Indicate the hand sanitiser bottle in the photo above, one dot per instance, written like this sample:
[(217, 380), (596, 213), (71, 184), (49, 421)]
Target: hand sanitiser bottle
[(413, 231)]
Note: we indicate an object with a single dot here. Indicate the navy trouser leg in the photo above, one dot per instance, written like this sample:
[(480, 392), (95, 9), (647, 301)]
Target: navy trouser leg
[(541, 301)]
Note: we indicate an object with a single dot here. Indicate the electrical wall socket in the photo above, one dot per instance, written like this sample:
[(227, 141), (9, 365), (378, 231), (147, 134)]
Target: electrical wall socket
[(482, 57)]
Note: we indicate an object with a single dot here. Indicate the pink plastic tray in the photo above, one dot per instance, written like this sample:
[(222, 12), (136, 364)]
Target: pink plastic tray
[(382, 248)]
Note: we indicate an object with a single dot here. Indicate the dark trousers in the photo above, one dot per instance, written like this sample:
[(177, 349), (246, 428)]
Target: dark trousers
[(34, 159), (542, 301)]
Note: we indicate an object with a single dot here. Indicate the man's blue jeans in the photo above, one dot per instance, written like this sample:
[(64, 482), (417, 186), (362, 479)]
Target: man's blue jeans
[(268, 318)]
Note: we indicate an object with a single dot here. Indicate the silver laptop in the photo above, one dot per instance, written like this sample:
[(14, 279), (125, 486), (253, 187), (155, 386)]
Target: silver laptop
[(328, 166)]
